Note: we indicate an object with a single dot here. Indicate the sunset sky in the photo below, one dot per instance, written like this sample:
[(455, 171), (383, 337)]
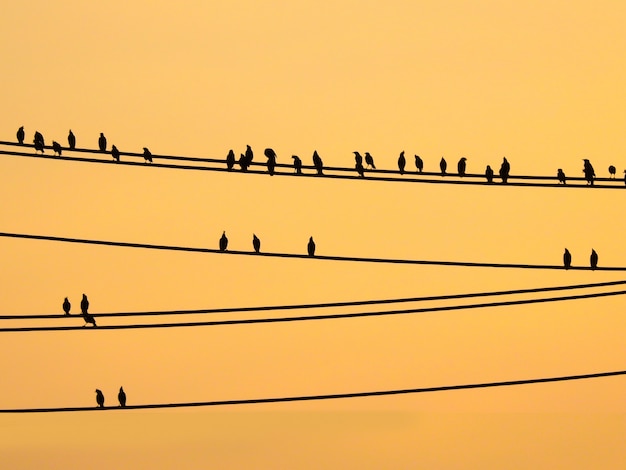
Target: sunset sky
[(540, 83)]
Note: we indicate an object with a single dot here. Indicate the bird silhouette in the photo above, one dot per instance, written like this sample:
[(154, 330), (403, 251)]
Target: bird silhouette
[(230, 159), (271, 160), (256, 243), (505, 169), (249, 155), (567, 259), (359, 169), (39, 142), (56, 147), (311, 247), (115, 153), (67, 306), (121, 397), (588, 171), (489, 174), (20, 135), (443, 165), (561, 176), (419, 163), (593, 259), (317, 161), (461, 165), (147, 156), (102, 142), (99, 398), (357, 158), (71, 140), (84, 307), (297, 164), (243, 162), (612, 171), (401, 162), (370, 161), (223, 242)]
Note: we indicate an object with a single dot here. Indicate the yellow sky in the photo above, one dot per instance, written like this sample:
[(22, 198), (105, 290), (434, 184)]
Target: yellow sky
[(538, 82)]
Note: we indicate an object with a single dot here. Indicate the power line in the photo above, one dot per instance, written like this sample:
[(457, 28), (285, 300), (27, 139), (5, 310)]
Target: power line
[(302, 256), (330, 172), (353, 303), (334, 396), (335, 316)]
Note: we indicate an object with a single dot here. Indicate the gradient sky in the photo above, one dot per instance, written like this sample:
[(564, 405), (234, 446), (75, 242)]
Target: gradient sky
[(541, 83)]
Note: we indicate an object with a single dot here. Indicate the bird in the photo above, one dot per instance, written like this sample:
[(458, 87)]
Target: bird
[(271, 160), (243, 162), (57, 148), (612, 171), (359, 169), (39, 142), (567, 259), (461, 165), (115, 153), (588, 171), (230, 159), (297, 164), (256, 243), (443, 165), (317, 161), (223, 242), (102, 142), (147, 156), (561, 176), (84, 307), (99, 398), (357, 158), (20, 135), (67, 306), (71, 140), (121, 397), (401, 162), (419, 163), (593, 259), (489, 174), (249, 155), (370, 161), (311, 247), (505, 169)]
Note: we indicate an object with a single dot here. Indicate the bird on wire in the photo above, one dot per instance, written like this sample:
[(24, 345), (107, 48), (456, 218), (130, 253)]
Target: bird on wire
[(71, 140), (121, 397), (461, 166), (39, 142), (401, 162), (505, 169), (443, 166), (567, 259), (588, 171), (357, 158), (311, 247), (99, 398), (20, 135), (612, 171), (369, 160), (223, 241), (115, 153), (593, 259), (317, 162), (230, 159), (56, 147), (84, 307), (147, 155), (249, 155), (489, 174), (67, 306), (297, 164), (561, 176), (102, 142), (271, 160), (419, 163), (256, 243), (359, 168), (243, 162)]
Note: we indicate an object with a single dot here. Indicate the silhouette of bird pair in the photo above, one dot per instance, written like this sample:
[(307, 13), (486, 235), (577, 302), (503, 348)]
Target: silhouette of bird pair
[(121, 397), (567, 259)]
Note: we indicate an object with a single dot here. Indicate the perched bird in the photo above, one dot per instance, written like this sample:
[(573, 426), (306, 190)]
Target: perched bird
[(311, 247), (249, 155), (67, 306), (102, 142), (271, 160), (593, 259), (39, 142), (84, 306), (401, 162), (121, 397), (357, 157), (489, 174), (505, 169), (461, 165), (223, 242), (71, 140), (297, 164), (115, 153), (20, 135), (256, 243), (443, 165), (147, 156), (561, 176), (588, 171), (612, 171), (243, 162), (567, 259), (56, 147), (99, 398), (419, 163), (89, 319), (230, 159), (370, 161), (359, 169), (317, 161)]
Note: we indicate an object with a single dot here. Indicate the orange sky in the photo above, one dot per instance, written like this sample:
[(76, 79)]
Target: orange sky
[(539, 82)]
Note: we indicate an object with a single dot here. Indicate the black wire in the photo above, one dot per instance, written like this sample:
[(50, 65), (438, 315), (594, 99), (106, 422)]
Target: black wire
[(333, 396)]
